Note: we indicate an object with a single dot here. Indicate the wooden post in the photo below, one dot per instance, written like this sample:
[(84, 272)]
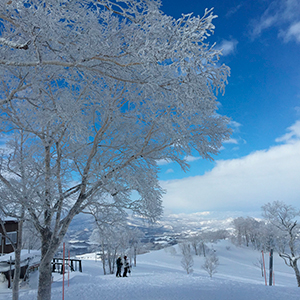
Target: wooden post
[(9, 273), (63, 269), (263, 258), (69, 269)]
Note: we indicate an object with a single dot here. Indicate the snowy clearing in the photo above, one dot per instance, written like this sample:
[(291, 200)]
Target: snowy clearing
[(159, 275)]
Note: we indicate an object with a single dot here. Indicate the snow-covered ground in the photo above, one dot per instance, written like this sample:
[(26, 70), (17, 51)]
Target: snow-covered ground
[(159, 276)]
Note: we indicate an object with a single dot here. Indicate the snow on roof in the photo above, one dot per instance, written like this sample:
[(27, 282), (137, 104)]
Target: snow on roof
[(24, 255), (30, 259), (6, 219)]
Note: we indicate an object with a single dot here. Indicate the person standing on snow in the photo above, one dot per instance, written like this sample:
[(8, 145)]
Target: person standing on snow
[(126, 266), (119, 267)]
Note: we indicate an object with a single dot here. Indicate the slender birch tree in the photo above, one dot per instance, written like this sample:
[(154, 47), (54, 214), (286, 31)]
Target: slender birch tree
[(103, 89), (13, 192), (284, 217)]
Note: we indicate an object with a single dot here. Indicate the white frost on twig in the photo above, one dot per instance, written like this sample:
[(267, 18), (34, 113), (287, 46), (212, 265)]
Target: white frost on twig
[(15, 45)]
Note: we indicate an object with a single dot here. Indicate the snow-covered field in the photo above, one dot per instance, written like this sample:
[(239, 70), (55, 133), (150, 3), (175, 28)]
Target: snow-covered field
[(159, 275)]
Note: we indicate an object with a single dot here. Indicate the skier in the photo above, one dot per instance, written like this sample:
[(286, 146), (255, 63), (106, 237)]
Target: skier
[(126, 267), (119, 267)]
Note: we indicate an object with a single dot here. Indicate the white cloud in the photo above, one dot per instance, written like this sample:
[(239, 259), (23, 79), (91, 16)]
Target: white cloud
[(231, 141), (264, 23), (297, 108), (233, 10), (188, 159), (162, 162), (292, 136), (235, 125), (228, 47), (281, 14), (242, 184), (293, 33), (169, 171), (191, 158)]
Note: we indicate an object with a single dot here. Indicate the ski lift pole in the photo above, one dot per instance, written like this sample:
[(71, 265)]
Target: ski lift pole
[(271, 268), (263, 258)]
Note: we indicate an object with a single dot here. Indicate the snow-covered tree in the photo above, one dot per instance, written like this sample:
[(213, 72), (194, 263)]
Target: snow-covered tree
[(187, 260), (199, 241), (260, 264), (195, 241), (109, 234), (134, 239), (108, 240), (284, 217), (248, 231), (103, 89), (211, 263), (31, 239), (17, 247), (11, 192)]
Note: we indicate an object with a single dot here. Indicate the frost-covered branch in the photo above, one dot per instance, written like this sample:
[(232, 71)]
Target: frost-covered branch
[(15, 45), (283, 217), (111, 87)]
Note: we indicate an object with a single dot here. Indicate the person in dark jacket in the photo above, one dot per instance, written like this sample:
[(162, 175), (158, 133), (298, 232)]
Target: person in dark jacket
[(119, 267), (126, 266)]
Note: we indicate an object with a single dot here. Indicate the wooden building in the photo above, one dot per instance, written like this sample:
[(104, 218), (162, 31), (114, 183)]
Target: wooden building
[(11, 228)]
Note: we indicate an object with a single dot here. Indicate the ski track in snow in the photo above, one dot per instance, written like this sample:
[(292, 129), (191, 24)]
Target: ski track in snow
[(159, 276)]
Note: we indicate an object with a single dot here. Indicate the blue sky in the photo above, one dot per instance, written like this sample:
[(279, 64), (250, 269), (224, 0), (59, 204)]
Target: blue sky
[(261, 163)]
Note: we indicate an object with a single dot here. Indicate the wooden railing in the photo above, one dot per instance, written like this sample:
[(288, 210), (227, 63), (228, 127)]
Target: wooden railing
[(74, 264)]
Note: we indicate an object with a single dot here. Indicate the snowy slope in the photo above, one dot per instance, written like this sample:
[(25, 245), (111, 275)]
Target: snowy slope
[(159, 275)]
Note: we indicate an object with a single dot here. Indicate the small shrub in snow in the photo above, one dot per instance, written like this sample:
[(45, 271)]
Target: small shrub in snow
[(211, 263), (171, 250), (187, 260), (187, 263), (2, 278), (259, 264)]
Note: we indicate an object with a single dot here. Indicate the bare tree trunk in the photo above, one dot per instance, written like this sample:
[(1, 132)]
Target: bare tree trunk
[(103, 263), (109, 261), (114, 260), (194, 244), (296, 270), (134, 256), (15, 289), (103, 258), (44, 289), (17, 272), (203, 249), (45, 276), (50, 242)]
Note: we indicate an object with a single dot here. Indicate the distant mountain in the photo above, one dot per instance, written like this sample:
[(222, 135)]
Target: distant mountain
[(167, 231)]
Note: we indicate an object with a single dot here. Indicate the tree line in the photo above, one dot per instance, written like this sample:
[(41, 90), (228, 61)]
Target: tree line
[(278, 229)]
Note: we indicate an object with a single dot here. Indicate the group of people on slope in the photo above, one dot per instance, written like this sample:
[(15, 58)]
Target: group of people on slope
[(119, 263)]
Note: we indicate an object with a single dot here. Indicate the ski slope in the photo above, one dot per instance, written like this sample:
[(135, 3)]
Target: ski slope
[(159, 276)]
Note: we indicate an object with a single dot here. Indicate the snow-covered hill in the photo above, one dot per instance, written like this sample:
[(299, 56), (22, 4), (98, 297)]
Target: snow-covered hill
[(159, 275), (168, 230)]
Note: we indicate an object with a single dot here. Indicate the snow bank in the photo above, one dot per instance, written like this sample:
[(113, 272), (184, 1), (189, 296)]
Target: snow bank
[(159, 275)]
